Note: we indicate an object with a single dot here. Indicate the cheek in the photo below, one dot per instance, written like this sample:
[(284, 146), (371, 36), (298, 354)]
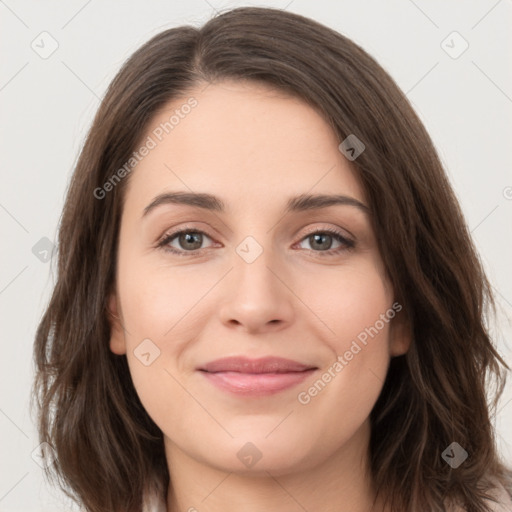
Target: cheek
[(358, 308), (161, 307), (157, 300), (352, 302)]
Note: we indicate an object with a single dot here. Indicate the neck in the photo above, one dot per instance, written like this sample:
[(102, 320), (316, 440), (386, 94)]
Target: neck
[(341, 483)]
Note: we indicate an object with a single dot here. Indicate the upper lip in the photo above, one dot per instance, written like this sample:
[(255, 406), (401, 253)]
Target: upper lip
[(261, 365)]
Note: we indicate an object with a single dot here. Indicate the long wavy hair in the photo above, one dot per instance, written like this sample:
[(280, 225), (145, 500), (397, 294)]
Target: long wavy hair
[(445, 389)]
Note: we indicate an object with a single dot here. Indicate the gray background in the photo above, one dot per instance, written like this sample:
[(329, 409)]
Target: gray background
[(47, 105)]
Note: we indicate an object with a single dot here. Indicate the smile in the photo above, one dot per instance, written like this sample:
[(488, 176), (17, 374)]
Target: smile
[(257, 377), (256, 384)]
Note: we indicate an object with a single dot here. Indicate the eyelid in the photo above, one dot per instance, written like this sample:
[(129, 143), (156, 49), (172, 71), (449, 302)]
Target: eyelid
[(329, 229)]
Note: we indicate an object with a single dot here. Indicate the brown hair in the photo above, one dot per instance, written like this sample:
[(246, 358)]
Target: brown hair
[(109, 451)]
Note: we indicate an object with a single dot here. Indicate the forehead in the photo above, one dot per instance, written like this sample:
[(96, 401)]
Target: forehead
[(241, 140)]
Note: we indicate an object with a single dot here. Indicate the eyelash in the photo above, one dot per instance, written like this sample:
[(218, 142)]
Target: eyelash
[(347, 244)]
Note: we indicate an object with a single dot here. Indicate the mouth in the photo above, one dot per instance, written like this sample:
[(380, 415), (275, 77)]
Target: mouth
[(255, 377)]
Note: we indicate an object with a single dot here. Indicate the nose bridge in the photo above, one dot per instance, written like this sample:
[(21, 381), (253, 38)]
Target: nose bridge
[(253, 269), (256, 296)]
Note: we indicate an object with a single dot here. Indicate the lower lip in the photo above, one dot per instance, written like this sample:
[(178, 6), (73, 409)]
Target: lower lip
[(256, 384)]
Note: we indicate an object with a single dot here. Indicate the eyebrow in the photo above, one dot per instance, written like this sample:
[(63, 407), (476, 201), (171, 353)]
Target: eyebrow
[(299, 203)]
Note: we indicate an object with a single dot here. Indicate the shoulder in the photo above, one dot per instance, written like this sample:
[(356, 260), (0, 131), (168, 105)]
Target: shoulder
[(501, 502)]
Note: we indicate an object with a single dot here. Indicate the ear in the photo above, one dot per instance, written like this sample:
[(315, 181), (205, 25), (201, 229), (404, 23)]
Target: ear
[(400, 336), (117, 339)]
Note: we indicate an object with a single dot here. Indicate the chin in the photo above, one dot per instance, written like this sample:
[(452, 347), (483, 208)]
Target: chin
[(259, 456)]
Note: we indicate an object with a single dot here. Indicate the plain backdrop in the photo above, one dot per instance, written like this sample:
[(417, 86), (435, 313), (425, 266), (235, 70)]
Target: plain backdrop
[(451, 58)]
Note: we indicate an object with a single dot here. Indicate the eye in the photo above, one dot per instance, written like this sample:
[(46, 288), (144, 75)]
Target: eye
[(321, 242), (188, 241)]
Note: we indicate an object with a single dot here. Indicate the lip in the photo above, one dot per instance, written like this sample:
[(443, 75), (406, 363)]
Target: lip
[(255, 377)]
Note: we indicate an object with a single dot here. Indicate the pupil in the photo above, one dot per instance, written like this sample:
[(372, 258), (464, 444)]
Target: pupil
[(195, 238)]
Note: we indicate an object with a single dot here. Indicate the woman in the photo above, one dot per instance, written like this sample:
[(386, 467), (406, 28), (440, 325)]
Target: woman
[(321, 344)]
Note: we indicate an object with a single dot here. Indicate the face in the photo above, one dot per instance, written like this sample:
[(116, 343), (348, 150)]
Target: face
[(252, 273)]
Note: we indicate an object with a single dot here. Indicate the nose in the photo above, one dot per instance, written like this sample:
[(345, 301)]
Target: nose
[(257, 296)]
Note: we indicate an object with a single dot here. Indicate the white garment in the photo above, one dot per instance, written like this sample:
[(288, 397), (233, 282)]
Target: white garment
[(154, 503)]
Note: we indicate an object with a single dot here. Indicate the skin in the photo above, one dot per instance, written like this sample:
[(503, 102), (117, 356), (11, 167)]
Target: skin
[(254, 148)]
